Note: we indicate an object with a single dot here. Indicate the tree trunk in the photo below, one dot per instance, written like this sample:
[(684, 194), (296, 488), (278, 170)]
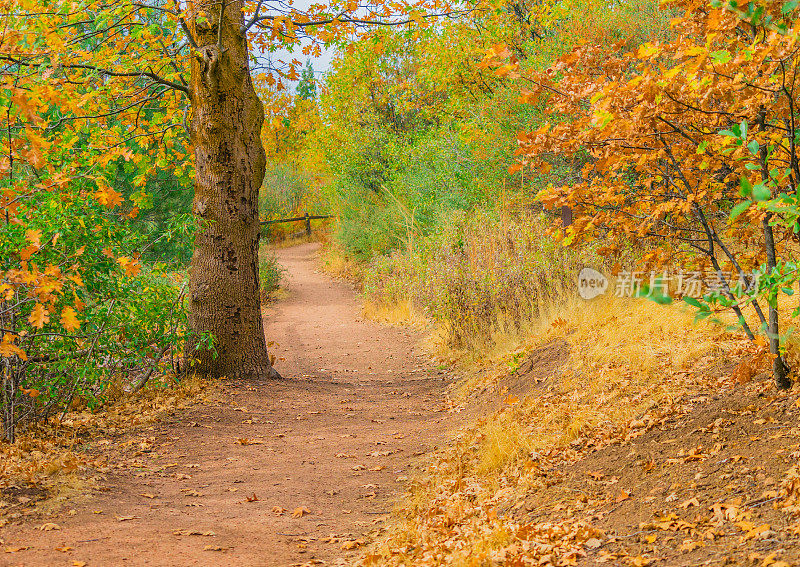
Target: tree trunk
[(230, 160), (780, 370)]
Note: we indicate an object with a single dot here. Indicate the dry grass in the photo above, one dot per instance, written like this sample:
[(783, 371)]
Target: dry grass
[(628, 360), (627, 356)]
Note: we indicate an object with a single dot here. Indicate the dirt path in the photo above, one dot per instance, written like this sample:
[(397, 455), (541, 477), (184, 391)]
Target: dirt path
[(337, 438)]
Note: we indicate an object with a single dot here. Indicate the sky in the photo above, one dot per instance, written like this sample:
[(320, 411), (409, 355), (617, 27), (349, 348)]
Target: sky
[(320, 64)]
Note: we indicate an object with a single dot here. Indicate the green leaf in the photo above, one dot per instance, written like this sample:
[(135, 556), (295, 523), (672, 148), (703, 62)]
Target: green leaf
[(740, 208), (788, 7), (693, 302), (753, 147), (745, 187), (720, 56), (761, 193)]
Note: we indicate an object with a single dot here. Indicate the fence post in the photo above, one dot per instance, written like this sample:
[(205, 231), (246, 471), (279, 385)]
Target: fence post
[(308, 225), (566, 216)]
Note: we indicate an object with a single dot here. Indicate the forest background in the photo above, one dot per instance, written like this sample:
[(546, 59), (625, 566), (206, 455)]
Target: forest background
[(447, 149), (474, 164)]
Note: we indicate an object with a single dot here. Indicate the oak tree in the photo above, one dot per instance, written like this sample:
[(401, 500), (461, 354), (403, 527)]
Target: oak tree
[(687, 146), (201, 57)]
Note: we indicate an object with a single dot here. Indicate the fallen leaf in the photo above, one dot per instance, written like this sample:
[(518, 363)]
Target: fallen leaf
[(252, 498), (148, 495), (300, 512), (689, 545), (593, 543), (278, 510), (48, 527), (214, 548), (189, 532), (16, 549), (691, 502), (377, 468), (352, 544), (64, 549), (79, 564), (622, 496), (125, 518)]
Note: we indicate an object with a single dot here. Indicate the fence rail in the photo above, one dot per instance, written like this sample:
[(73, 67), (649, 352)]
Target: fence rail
[(308, 218)]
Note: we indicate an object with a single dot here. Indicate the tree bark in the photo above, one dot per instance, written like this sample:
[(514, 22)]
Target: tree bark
[(780, 369), (226, 135)]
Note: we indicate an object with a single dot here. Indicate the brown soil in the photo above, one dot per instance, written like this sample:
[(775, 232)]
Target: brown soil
[(334, 443)]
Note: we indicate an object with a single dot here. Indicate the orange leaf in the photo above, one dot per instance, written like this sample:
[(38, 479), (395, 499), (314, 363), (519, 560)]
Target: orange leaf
[(69, 319), (108, 197), (26, 253), (9, 349), (300, 512), (39, 316), (130, 266), (34, 237)]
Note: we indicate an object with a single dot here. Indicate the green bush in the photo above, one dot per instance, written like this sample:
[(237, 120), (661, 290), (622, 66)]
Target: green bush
[(270, 273), (78, 309)]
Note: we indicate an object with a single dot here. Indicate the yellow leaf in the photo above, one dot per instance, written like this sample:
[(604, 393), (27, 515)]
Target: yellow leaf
[(647, 50), (352, 544), (69, 319)]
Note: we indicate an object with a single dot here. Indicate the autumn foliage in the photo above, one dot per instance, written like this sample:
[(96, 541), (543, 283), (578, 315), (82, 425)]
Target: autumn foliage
[(686, 146)]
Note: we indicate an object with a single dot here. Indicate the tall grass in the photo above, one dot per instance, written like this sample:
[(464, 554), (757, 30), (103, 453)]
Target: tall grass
[(484, 274), (270, 273)]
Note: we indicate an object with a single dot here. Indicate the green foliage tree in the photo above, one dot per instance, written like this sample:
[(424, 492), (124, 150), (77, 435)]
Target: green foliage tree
[(307, 86), (143, 73)]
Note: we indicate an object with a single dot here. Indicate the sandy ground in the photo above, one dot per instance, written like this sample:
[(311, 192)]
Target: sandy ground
[(335, 442)]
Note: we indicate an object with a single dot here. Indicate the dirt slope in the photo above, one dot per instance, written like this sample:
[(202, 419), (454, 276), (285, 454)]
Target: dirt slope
[(333, 442)]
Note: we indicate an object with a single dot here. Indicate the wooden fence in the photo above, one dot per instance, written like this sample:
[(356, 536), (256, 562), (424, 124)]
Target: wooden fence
[(308, 218)]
